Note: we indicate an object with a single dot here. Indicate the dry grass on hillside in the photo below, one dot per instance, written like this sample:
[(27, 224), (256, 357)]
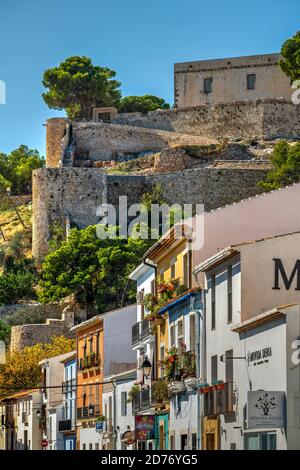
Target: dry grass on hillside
[(11, 224)]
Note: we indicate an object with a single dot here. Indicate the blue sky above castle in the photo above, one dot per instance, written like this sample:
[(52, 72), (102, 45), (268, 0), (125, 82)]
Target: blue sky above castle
[(140, 40)]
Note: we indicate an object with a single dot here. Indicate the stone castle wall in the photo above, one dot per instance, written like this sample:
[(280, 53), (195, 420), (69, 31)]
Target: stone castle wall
[(23, 336), (75, 193), (136, 132), (269, 119)]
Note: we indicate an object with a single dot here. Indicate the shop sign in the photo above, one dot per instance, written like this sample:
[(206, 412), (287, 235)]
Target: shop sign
[(144, 427), (266, 410)]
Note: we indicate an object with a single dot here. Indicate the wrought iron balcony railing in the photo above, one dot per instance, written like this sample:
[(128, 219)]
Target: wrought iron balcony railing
[(140, 332)]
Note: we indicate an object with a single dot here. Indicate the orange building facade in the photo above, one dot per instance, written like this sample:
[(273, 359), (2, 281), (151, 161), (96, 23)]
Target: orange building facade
[(89, 382)]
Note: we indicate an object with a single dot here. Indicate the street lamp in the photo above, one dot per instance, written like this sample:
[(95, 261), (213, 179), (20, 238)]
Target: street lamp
[(91, 410), (147, 366)]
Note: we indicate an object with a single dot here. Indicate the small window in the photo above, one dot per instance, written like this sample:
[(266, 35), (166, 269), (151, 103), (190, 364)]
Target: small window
[(192, 333), (123, 403), (229, 366), (172, 335), (214, 369), (251, 81), (90, 446), (208, 83), (180, 331), (172, 442), (83, 446), (97, 446), (173, 270)]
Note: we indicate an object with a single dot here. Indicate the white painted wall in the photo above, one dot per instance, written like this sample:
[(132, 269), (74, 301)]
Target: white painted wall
[(269, 376)]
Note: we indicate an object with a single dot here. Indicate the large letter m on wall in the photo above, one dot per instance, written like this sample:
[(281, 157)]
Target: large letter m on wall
[(287, 281)]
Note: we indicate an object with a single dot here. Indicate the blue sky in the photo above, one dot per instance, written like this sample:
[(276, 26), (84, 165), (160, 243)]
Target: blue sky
[(140, 40)]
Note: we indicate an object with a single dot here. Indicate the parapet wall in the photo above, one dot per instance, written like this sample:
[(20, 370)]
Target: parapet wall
[(76, 193), (269, 119), (157, 130)]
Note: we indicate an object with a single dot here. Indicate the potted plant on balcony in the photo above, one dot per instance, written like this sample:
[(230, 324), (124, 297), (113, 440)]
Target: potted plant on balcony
[(101, 419), (188, 367), (135, 389), (159, 391)]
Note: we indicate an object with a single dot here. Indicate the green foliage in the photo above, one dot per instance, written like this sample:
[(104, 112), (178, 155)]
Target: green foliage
[(290, 63), (16, 286), (77, 86), (142, 104), (16, 169), (160, 391), (154, 197), (4, 332), (91, 267), (285, 160)]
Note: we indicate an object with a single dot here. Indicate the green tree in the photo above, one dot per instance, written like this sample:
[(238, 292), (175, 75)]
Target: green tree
[(142, 104), (290, 63), (4, 332), (16, 169), (77, 86), (285, 161), (16, 286), (94, 268)]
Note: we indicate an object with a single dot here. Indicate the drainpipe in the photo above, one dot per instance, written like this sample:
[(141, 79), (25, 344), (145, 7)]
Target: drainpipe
[(114, 414)]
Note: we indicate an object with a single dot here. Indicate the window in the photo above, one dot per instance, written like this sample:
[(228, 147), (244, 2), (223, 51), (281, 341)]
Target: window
[(261, 441), (194, 441), (91, 344), (213, 301), (251, 81), (83, 446), (180, 331), (214, 368), (141, 295), (229, 294), (153, 287), (192, 333), (229, 366), (208, 82), (184, 442), (123, 403), (172, 335), (98, 345), (173, 270), (90, 446), (187, 263), (97, 446), (172, 441)]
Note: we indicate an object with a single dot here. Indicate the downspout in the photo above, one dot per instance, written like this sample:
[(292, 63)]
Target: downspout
[(114, 414)]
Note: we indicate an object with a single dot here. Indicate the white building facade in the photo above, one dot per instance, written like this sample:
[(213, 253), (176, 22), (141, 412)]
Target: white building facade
[(252, 394)]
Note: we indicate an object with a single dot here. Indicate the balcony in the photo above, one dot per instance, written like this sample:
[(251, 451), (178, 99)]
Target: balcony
[(141, 332), (141, 401), (219, 400), (148, 398), (88, 362), (65, 425), (88, 412)]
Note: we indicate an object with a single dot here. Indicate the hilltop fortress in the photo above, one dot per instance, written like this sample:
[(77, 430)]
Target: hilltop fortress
[(211, 154)]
